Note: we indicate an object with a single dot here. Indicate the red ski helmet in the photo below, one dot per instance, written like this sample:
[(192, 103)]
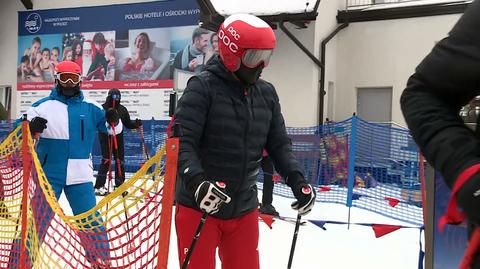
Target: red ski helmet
[(68, 67), (68, 70), (244, 38)]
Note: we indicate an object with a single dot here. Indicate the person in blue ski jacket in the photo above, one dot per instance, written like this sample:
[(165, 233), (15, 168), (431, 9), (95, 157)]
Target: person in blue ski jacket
[(67, 124)]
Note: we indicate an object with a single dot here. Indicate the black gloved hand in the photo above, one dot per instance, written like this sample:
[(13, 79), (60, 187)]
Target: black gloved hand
[(111, 116), (208, 196), (138, 123), (468, 198), (303, 192), (37, 125)]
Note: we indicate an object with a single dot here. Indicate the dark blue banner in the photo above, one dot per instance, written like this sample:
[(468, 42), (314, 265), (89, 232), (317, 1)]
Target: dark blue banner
[(112, 17), (137, 48)]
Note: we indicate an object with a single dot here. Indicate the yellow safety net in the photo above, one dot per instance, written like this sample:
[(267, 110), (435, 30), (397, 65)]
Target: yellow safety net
[(125, 230)]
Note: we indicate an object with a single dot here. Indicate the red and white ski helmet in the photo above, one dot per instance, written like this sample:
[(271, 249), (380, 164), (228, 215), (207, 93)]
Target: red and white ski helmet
[(247, 39), (68, 67)]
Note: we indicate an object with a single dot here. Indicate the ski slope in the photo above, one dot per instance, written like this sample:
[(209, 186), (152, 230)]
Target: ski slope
[(337, 247)]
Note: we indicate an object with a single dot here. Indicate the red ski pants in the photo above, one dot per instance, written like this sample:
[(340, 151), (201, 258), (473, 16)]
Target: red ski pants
[(236, 239)]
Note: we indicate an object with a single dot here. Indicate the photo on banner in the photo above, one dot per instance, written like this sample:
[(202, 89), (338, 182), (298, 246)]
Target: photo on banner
[(143, 54), (98, 61), (131, 51), (191, 48), (37, 56)]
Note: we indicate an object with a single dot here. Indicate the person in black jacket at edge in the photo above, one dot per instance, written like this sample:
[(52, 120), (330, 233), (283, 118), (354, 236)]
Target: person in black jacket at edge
[(228, 115), (112, 102), (447, 79)]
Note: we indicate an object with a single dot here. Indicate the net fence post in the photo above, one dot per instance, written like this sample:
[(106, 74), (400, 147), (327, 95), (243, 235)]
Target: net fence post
[(27, 161), (351, 164), (167, 199)]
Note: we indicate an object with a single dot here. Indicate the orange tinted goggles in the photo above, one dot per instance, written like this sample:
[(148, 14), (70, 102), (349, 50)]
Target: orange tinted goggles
[(66, 77)]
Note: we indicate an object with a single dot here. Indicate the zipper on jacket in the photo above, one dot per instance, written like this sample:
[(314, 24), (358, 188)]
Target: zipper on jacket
[(82, 128), (245, 135), (44, 160)]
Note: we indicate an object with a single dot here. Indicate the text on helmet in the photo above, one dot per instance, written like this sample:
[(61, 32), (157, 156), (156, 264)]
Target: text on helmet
[(227, 41)]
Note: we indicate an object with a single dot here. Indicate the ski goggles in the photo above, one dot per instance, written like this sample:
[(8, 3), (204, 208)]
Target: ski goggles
[(254, 57), (115, 97), (65, 77)]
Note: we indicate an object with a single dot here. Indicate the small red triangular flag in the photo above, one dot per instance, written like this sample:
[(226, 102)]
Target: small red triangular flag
[(323, 188), (276, 178), (267, 219), (392, 201), (383, 229)]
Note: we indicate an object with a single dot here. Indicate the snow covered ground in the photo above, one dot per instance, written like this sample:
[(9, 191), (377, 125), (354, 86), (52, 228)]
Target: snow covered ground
[(337, 247)]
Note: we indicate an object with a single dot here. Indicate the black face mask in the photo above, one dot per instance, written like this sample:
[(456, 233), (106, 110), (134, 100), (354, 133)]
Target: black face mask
[(249, 75), (68, 91), (110, 103)]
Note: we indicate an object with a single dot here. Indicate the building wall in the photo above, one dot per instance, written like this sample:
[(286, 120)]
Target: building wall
[(383, 54), (365, 54), (291, 71), (8, 46), (295, 75)]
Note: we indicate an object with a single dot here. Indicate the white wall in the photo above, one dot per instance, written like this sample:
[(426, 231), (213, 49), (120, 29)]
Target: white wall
[(383, 54), (365, 54), (291, 71), (326, 24), (295, 75), (8, 46)]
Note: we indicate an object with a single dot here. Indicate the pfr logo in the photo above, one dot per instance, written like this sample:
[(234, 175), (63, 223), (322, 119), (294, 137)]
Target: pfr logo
[(33, 23)]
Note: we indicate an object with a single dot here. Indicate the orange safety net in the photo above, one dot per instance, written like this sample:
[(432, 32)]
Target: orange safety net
[(129, 228)]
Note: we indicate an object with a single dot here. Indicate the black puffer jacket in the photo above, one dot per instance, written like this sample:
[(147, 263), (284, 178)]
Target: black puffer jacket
[(225, 127), (443, 82)]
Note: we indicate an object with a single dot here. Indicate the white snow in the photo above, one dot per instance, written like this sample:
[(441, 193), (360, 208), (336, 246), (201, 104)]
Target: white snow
[(337, 247)]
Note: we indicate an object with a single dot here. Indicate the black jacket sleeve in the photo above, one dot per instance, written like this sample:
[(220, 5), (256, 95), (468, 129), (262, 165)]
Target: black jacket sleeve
[(191, 114), (443, 82), (278, 145), (125, 116)]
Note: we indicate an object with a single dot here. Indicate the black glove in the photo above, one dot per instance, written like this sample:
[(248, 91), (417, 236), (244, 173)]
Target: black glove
[(303, 192), (111, 116), (209, 196), (138, 122), (37, 125), (468, 198)]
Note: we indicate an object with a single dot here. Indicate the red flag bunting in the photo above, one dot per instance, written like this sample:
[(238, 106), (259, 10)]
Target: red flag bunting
[(267, 219), (383, 229), (392, 201), (323, 188)]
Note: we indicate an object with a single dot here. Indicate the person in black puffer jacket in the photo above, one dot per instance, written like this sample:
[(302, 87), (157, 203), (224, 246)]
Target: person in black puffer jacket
[(121, 118), (447, 79), (228, 115)]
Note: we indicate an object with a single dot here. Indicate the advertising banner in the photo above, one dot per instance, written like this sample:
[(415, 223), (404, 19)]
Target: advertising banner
[(136, 48)]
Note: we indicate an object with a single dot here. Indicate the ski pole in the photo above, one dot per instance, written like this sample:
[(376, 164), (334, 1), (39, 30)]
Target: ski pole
[(144, 145), (119, 170), (294, 241), (195, 239)]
